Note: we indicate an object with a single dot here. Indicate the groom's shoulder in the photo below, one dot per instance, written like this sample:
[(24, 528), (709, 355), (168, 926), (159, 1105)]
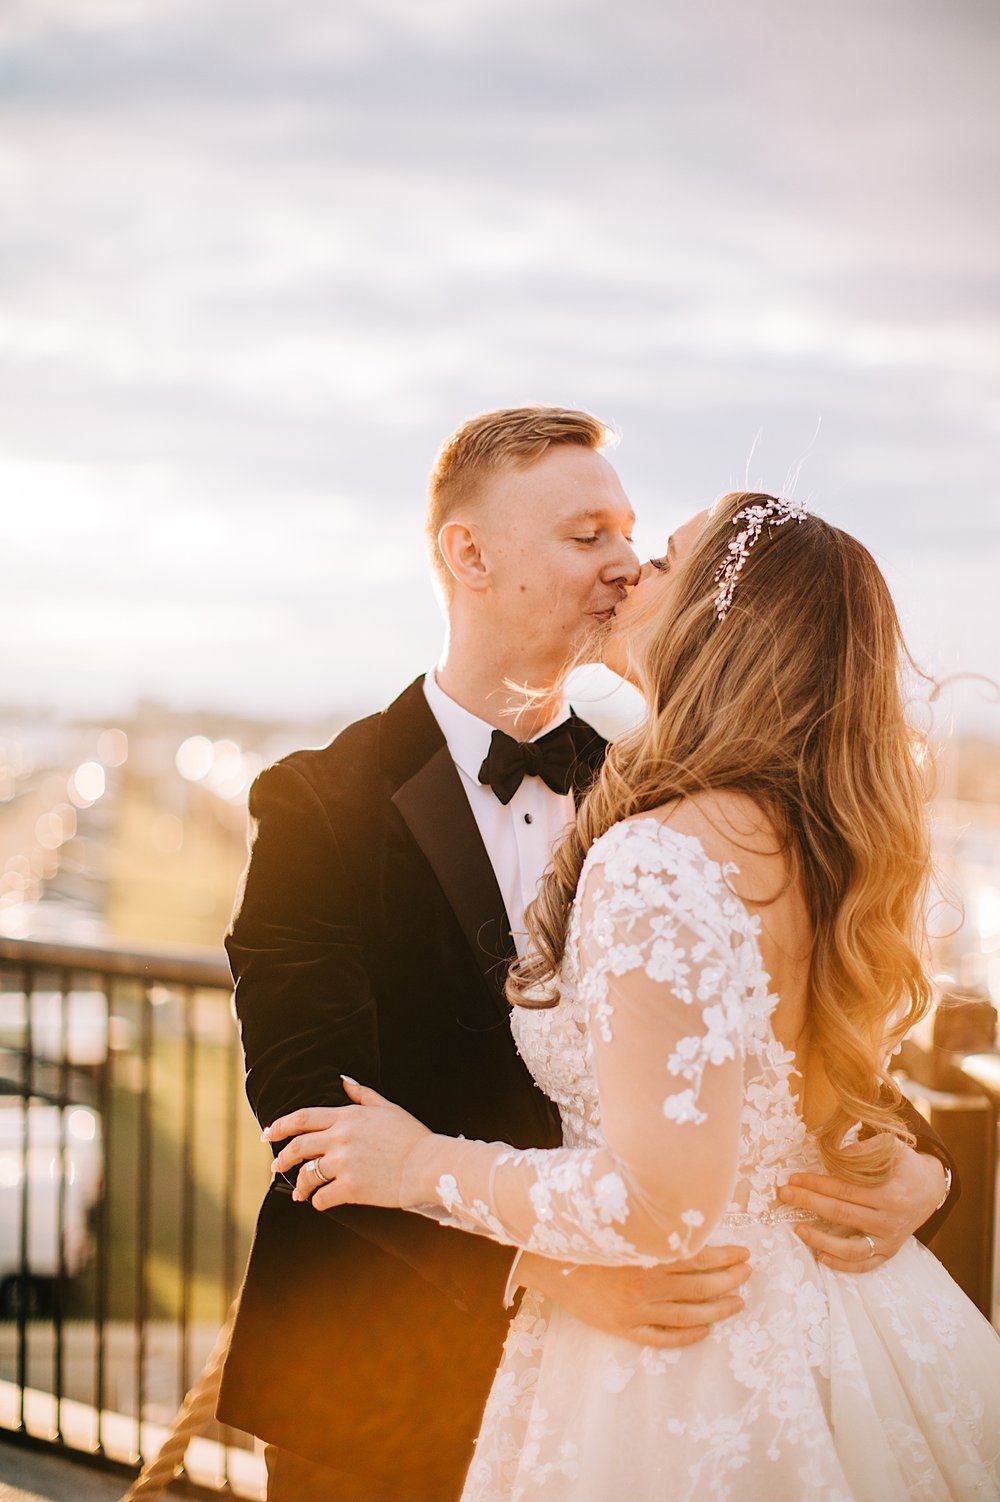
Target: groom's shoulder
[(358, 759)]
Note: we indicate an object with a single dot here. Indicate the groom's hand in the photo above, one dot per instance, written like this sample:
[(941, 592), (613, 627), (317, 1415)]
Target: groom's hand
[(666, 1306), (870, 1222)]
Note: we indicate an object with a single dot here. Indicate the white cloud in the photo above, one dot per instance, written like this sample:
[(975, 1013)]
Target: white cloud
[(259, 258)]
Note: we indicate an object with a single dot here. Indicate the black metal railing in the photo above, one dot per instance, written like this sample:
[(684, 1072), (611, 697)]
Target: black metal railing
[(130, 1177)]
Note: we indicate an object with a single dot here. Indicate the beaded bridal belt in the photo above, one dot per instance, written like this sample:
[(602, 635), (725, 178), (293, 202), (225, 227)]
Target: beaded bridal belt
[(766, 1217)]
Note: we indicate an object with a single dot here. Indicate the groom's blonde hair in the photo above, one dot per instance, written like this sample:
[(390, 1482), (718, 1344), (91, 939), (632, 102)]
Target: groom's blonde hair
[(509, 438)]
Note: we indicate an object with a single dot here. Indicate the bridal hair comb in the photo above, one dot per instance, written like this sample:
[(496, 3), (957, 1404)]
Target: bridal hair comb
[(773, 512)]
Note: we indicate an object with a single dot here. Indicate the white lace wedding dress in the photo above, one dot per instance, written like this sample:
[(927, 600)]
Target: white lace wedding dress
[(679, 1124)]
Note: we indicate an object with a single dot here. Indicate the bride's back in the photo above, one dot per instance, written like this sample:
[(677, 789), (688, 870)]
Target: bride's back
[(734, 829)]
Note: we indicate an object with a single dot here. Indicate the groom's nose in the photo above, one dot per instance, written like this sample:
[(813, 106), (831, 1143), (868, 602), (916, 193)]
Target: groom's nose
[(624, 569)]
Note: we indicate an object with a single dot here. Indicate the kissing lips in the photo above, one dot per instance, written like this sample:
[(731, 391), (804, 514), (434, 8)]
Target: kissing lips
[(608, 613)]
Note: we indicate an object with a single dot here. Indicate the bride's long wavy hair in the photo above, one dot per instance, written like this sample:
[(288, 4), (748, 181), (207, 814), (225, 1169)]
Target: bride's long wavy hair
[(796, 699)]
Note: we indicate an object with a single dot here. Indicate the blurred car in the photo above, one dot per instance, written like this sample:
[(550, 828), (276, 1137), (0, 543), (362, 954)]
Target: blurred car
[(74, 1027), (64, 1161)]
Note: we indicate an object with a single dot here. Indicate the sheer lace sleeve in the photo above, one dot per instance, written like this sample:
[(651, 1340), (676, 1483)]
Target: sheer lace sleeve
[(665, 955)]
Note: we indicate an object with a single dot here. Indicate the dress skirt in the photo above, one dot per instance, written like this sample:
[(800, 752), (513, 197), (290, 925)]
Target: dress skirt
[(827, 1387)]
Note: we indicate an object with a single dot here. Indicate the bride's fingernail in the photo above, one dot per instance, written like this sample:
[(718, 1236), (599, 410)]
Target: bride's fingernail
[(349, 1080)]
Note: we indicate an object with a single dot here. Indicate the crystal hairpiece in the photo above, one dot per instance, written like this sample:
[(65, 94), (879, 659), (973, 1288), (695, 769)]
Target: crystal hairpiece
[(770, 513)]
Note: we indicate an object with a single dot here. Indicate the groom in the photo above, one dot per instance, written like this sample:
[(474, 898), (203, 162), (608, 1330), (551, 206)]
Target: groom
[(382, 904)]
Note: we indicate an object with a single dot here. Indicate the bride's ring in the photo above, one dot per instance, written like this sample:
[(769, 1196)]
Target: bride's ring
[(313, 1164), (872, 1248)]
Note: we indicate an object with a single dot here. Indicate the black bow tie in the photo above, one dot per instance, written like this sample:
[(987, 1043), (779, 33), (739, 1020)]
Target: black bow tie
[(552, 758)]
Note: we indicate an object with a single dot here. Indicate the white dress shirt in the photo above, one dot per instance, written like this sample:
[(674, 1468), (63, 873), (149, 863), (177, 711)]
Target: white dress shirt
[(519, 836)]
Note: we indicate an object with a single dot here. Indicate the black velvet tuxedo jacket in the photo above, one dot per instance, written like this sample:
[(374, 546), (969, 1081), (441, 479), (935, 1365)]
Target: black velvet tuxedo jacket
[(370, 939)]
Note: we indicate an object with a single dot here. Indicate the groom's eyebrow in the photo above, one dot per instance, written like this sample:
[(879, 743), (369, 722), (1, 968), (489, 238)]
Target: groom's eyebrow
[(596, 513)]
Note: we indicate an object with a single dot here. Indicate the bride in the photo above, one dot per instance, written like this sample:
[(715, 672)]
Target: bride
[(727, 949)]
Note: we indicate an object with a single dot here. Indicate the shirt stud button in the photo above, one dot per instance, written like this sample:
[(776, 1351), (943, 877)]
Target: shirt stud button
[(527, 818)]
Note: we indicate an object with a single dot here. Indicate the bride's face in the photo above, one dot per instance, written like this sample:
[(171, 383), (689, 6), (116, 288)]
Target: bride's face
[(651, 593)]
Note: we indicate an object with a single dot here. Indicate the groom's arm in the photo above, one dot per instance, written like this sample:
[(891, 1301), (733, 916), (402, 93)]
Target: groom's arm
[(307, 1013), (302, 992), (928, 1145), (672, 1305)]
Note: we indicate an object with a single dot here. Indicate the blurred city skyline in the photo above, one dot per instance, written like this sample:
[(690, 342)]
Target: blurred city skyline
[(258, 261)]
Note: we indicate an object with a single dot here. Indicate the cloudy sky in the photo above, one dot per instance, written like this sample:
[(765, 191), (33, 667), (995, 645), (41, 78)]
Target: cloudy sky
[(257, 259)]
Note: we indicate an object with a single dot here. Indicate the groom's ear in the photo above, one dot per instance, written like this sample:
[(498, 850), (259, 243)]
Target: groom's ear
[(463, 556)]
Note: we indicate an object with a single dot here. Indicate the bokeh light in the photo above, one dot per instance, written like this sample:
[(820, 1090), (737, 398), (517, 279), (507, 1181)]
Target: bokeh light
[(57, 826), (87, 784), (112, 747), (194, 758)]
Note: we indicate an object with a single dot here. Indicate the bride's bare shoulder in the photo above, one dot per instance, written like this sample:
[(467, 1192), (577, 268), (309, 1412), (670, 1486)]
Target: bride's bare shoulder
[(732, 827)]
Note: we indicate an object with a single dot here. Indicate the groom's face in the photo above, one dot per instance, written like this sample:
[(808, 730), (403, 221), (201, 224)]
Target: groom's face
[(557, 539)]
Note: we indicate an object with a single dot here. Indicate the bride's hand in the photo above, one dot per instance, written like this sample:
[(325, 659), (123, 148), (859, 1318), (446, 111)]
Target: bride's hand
[(351, 1155)]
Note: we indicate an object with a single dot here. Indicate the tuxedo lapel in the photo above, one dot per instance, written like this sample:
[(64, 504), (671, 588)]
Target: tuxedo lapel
[(432, 803), (591, 750)]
